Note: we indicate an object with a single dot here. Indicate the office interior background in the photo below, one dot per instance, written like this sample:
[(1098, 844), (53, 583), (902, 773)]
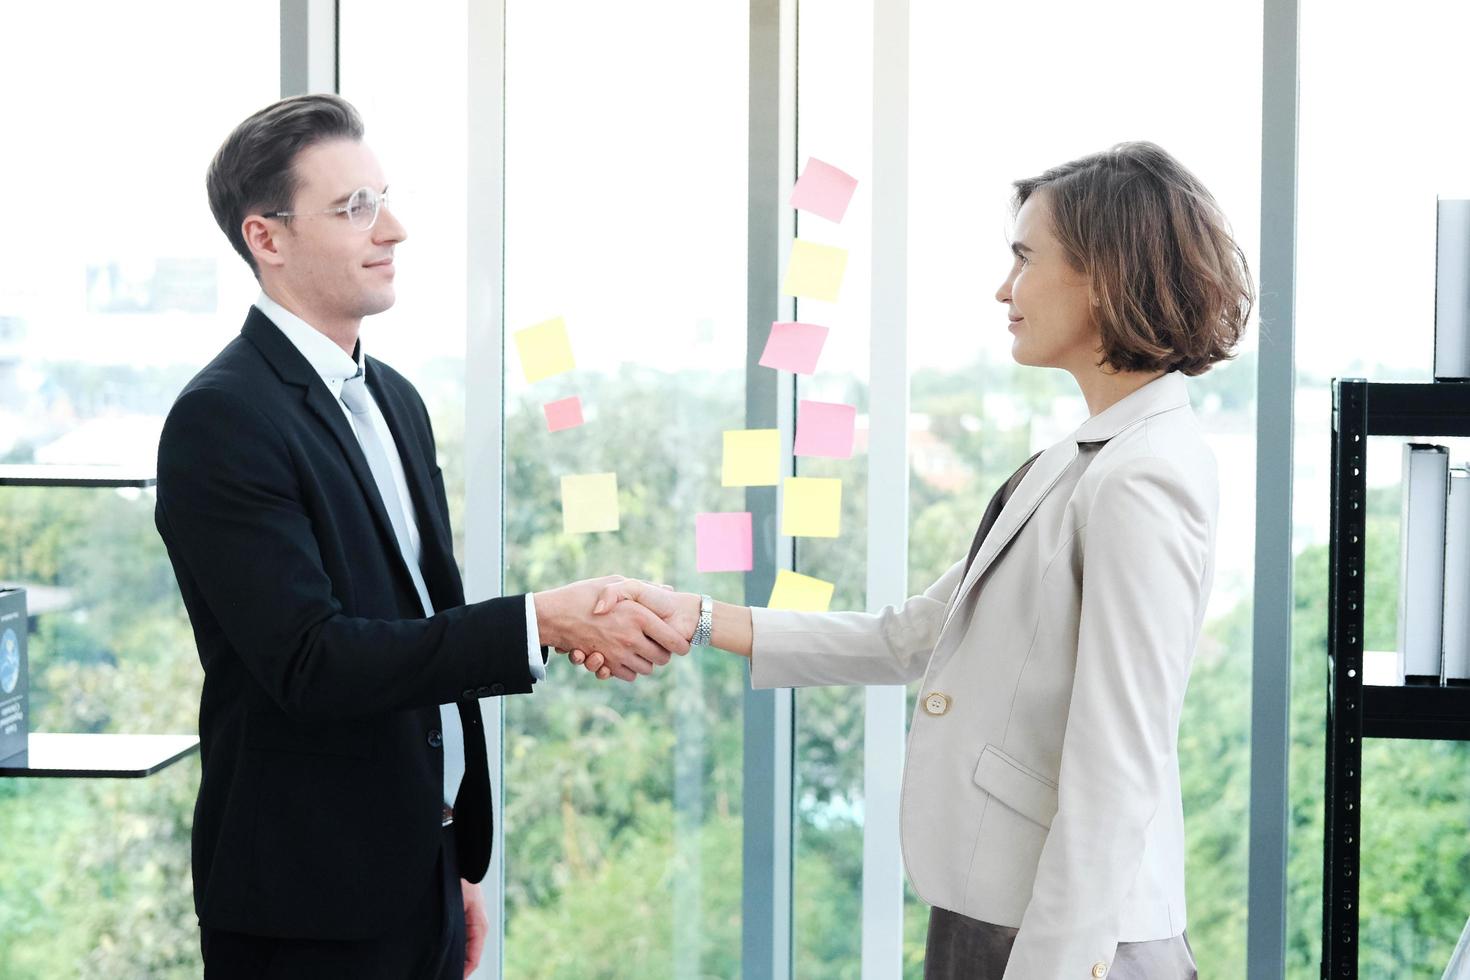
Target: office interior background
[(626, 166)]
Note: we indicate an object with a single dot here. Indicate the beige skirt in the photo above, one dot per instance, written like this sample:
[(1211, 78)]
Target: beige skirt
[(961, 948)]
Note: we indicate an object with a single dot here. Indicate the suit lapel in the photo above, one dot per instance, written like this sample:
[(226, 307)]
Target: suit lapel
[(1163, 394), (993, 509), (1033, 488), (294, 369), (411, 452), (326, 408)]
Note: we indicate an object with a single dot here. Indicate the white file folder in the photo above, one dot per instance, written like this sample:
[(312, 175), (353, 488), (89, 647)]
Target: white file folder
[(1421, 564), (1457, 579), (1452, 291)]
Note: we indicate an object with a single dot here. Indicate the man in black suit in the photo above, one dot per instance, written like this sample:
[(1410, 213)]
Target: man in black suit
[(304, 513)]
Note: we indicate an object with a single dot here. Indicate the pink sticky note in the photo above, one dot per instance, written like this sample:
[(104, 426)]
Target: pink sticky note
[(563, 414), (825, 429), (794, 347), (823, 190), (723, 542)]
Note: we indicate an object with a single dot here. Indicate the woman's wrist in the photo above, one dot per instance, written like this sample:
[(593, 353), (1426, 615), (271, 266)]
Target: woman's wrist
[(733, 631), (688, 614), (704, 626)]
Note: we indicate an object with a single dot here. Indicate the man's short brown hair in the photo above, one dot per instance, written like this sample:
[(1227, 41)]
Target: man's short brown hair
[(254, 170), (1172, 289)]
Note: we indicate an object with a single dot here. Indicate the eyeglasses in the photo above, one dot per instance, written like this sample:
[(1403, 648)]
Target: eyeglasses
[(362, 209)]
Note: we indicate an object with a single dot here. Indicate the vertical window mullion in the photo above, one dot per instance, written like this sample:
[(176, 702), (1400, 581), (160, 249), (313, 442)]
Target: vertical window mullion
[(309, 62), (1275, 422), (888, 486), (769, 716), (485, 399)]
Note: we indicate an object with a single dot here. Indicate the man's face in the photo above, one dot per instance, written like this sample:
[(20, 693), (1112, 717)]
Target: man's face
[(337, 270), (1049, 301)]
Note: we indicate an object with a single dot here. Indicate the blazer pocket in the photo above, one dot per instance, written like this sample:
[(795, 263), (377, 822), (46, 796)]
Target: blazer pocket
[(1018, 786)]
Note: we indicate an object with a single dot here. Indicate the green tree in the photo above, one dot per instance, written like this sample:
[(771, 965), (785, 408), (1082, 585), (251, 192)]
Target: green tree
[(623, 803)]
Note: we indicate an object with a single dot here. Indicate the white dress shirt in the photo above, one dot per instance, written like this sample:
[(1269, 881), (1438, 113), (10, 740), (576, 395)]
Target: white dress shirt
[(334, 366)]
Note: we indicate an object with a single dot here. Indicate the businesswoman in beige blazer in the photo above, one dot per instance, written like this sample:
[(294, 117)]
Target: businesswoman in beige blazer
[(1041, 803)]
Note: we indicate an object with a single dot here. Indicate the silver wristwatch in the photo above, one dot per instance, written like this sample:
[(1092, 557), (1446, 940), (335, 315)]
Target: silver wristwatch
[(706, 626)]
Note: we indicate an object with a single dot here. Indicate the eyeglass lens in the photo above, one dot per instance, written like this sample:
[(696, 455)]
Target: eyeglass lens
[(362, 208)]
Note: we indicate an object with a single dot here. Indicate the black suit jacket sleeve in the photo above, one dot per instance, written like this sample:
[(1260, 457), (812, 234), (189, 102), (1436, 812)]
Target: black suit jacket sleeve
[(242, 526)]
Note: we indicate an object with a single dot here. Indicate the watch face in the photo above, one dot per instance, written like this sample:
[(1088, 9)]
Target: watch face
[(9, 662)]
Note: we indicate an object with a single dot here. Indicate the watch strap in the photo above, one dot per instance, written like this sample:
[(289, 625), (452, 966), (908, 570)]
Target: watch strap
[(706, 627)]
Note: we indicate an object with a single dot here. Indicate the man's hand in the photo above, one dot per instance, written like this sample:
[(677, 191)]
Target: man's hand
[(476, 925), (631, 638), (680, 610)]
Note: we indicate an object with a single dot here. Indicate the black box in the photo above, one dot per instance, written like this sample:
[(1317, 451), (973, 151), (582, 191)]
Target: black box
[(14, 714)]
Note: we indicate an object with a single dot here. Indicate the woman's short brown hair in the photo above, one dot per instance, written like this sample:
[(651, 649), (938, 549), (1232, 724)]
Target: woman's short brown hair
[(1172, 289)]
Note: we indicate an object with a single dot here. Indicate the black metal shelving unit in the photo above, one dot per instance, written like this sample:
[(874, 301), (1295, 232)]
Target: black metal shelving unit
[(1356, 711)]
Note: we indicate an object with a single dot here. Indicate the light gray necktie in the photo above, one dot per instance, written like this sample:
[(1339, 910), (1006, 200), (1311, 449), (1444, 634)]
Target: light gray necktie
[(357, 399)]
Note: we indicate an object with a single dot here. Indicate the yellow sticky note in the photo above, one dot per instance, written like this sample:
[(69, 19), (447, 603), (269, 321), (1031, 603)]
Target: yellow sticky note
[(545, 350), (752, 458), (815, 271), (812, 507), (589, 502), (800, 592)]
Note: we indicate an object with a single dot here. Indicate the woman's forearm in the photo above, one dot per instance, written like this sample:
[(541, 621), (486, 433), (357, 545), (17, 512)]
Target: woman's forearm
[(732, 629)]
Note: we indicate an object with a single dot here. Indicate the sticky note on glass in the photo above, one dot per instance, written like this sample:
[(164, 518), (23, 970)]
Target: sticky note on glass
[(723, 542), (825, 429), (545, 350), (815, 271), (801, 593), (563, 414), (752, 458), (811, 507), (589, 503), (823, 190), (794, 347)]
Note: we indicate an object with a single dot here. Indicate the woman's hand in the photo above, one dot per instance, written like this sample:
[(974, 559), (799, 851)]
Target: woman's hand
[(632, 638), (680, 610)]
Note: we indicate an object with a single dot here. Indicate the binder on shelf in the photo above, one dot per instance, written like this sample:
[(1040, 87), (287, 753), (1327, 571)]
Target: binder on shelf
[(1452, 291), (1457, 579), (14, 716), (1421, 563)]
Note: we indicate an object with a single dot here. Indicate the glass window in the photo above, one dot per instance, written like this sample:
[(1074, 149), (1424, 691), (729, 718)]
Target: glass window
[(415, 118), (995, 97), (106, 310), (1352, 194), (626, 218)]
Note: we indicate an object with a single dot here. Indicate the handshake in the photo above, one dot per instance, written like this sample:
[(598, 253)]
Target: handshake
[(617, 627)]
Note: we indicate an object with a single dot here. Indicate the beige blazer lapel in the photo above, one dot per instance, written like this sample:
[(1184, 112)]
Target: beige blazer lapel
[(1160, 395), (1034, 487)]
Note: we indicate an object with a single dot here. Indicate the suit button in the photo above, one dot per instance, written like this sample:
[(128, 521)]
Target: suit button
[(436, 738), (1099, 970), (497, 689), (468, 693), (482, 692), (936, 704)]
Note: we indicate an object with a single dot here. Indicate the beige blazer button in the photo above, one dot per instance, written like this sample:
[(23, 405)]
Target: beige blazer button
[(936, 704), (1099, 970)]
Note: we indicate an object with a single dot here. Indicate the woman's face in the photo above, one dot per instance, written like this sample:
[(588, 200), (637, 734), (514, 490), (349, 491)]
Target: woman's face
[(1049, 302)]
